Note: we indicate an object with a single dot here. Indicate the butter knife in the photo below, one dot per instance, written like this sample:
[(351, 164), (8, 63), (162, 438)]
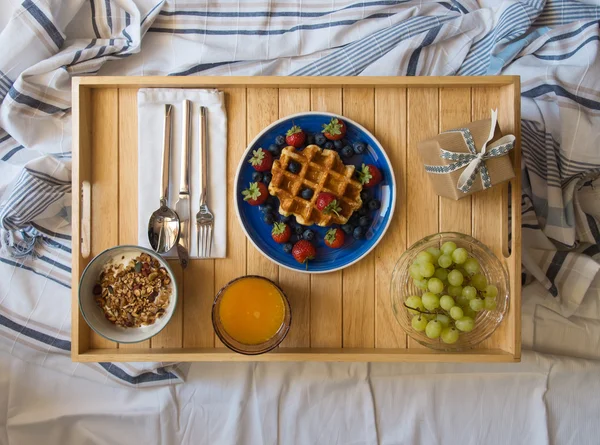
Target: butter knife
[(183, 204)]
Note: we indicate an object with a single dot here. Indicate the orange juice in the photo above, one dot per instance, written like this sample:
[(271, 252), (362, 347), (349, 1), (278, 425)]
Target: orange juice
[(252, 310)]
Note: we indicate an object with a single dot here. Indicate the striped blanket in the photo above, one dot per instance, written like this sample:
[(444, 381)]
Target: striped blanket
[(552, 44)]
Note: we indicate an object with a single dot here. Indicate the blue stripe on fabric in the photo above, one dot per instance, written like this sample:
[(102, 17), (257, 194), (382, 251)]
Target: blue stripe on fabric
[(56, 245), (5, 138), (569, 54), (30, 269), (591, 221), (259, 32), (108, 15), (556, 265), (65, 345), (34, 103), (460, 7), (151, 11), (50, 232), (202, 67), (593, 250), (47, 177), (41, 18), (79, 52), (127, 23), (11, 153), (560, 91), (94, 25), (54, 263), (571, 34), (142, 378), (414, 58)]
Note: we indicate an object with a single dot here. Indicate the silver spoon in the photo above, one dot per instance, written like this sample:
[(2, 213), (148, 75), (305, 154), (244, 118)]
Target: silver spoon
[(163, 227)]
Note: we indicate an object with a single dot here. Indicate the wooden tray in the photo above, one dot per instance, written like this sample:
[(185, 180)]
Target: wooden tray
[(341, 316)]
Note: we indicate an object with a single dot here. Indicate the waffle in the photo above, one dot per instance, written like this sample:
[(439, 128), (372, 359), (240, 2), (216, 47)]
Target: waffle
[(322, 171)]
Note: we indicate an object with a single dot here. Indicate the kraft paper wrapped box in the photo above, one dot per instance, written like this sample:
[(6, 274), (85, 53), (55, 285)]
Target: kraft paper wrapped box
[(468, 159)]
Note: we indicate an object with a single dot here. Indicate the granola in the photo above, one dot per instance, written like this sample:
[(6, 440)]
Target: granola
[(135, 294)]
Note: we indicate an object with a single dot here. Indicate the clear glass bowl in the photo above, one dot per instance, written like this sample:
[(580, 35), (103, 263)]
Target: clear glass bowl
[(243, 348), (486, 322)]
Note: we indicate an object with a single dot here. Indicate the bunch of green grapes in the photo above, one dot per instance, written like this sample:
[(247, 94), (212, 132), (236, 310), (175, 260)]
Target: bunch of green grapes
[(455, 290)]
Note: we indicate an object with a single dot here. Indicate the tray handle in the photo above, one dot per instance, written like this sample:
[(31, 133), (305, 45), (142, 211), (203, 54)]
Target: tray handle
[(86, 218)]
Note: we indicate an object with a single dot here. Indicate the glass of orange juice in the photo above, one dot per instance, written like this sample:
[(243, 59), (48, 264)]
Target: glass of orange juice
[(251, 315)]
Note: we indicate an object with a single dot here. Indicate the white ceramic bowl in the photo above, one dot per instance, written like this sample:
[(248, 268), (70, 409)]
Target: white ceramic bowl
[(93, 314)]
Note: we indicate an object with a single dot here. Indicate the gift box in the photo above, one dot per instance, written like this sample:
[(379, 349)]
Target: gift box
[(469, 159)]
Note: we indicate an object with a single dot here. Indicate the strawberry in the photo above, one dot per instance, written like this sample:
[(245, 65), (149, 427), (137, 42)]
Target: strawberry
[(261, 160), (295, 137), (369, 175), (334, 238), (256, 194), (334, 130), (281, 232), (303, 251), (327, 203)]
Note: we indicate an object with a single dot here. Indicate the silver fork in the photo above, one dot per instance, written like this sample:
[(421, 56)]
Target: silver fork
[(204, 217)]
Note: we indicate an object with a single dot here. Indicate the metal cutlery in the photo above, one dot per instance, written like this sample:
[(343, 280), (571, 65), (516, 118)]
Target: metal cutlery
[(204, 217), (183, 204)]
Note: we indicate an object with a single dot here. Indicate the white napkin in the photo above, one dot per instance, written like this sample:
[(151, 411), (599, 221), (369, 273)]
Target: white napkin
[(151, 102)]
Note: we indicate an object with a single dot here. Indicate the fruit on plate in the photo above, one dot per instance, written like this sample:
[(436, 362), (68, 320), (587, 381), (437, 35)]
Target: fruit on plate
[(369, 175), (261, 160), (281, 232), (335, 129), (334, 238), (328, 203), (456, 290), (303, 251), (256, 193), (295, 137)]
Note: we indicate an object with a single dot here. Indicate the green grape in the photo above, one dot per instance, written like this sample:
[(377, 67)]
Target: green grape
[(421, 284), (448, 247), (491, 291), (433, 329), (444, 319), (469, 292), (425, 257), (431, 301), (414, 302), (479, 281), (435, 285), (470, 312), (445, 261), (476, 304), (435, 252), (462, 301), (427, 269), (419, 323), (447, 302), (429, 317), (489, 303), (449, 335), (460, 255), (456, 313), (471, 266), (454, 291), (415, 272), (440, 273), (462, 271), (455, 278), (465, 324)]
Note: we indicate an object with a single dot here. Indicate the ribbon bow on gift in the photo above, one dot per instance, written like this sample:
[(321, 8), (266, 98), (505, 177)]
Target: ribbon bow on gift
[(474, 161)]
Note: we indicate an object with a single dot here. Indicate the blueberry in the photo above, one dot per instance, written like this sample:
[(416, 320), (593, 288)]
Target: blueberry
[(308, 235), (338, 144), (286, 219), (358, 233), (359, 148), (287, 247), (266, 208), (257, 176), (273, 201), (307, 193), (328, 145), (294, 167), (298, 230), (347, 152), (320, 139), (364, 195), (364, 221), (348, 229), (363, 211), (310, 139), (353, 220), (374, 205), (267, 178), (275, 150), (294, 238), (280, 140), (268, 218)]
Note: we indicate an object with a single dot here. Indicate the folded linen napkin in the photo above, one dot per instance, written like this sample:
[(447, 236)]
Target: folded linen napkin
[(151, 102)]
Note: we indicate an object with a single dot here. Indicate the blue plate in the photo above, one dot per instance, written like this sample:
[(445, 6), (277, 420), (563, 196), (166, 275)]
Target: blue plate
[(327, 260)]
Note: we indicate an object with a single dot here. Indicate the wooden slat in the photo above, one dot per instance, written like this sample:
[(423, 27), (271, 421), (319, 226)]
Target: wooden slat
[(171, 336), (390, 130), (359, 279), (296, 285), (234, 265), (326, 289), (455, 110), (421, 207), (128, 178), (261, 110), (198, 290), (105, 180)]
